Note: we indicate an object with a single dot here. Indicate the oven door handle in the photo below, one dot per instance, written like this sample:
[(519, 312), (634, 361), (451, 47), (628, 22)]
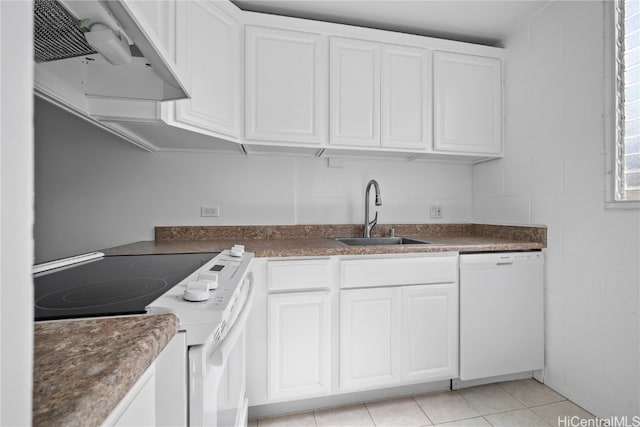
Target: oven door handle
[(220, 353)]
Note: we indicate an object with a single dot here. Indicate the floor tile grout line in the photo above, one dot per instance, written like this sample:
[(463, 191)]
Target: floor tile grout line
[(470, 404), (422, 409), (369, 413), (550, 403), (484, 417), (511, 394), (520, 400), (516, 410), (532, 406)]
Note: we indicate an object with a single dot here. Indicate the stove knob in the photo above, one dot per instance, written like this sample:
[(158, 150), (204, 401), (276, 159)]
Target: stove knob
[(196, 291), (237, 250), (210, 278)]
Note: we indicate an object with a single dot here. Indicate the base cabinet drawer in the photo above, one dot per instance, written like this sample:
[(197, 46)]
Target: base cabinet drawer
[(368, 272), (302, 274)]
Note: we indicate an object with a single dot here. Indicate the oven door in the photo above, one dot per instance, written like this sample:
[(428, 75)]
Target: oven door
[(217, 376)]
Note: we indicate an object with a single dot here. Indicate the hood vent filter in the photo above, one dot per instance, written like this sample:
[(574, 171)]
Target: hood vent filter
[(57, 34)]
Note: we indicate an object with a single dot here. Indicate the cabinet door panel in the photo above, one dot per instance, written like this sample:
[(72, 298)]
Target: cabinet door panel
[(406, 97), (286, 83), (368, 337), (355, 92), (161, 18), (207, 51), (430, 328), (299, 344), (467, 103)]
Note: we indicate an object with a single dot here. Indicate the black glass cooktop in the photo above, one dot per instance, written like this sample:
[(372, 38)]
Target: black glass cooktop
[(111, 286)]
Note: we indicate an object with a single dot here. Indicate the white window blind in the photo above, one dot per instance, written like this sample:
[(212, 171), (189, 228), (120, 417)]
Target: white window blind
[(627, 153)]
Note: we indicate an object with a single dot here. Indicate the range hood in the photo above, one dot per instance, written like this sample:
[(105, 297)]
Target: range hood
[(107, 46)]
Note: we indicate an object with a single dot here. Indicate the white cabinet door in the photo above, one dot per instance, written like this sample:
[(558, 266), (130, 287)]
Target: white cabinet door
[(355, 92), (369, 342), (299, 352), (208, 46), (430, 332), (286, 86), (467, 103), (161, 18), (406, 97)]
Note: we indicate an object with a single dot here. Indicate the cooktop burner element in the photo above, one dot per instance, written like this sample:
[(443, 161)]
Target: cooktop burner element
[(115, 285)]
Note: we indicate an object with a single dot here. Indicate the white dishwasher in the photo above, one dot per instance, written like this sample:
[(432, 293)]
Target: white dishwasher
[(501, 314)]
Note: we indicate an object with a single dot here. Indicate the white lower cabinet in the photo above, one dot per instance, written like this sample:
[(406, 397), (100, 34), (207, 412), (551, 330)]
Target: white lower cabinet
[(369, 340), (299, 344), (322, 327), (398, 335), (429, 332)]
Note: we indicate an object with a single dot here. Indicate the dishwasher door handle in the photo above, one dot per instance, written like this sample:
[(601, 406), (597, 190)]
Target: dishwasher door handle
[(505, 263)]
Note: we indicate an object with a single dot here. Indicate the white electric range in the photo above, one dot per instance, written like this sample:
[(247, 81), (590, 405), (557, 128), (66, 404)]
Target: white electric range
[(211, 294)]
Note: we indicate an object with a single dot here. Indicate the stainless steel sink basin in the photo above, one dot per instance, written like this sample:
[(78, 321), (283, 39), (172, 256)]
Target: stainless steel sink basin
[(379, 241)]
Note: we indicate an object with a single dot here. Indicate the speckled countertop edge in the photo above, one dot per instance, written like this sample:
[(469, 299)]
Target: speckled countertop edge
[(319, 240), (84, 367)]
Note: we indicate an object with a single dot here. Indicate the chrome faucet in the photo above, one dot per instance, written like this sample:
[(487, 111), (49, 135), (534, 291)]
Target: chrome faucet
[(368, 225)]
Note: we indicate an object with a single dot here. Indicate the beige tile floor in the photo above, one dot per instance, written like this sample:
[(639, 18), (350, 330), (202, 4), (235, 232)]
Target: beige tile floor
[(510, 404)]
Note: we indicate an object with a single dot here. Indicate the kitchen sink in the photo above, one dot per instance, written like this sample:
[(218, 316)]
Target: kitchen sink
[(379, 241)]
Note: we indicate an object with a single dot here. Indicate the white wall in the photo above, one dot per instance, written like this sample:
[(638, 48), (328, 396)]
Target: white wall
[(553, 174), (95, 191), (16, 215)]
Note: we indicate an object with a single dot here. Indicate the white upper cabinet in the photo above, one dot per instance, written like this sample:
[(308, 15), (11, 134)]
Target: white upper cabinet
[(467, 103), (160, 16), (286, 86), (406, 97), (267, 83), (380, 95), (208, 46), (355, 92)]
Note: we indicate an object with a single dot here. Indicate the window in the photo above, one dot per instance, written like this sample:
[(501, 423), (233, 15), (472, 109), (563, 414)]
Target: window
[(627, 87)]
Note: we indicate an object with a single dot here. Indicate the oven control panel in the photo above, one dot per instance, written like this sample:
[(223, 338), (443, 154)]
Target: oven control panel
[(215, 288)]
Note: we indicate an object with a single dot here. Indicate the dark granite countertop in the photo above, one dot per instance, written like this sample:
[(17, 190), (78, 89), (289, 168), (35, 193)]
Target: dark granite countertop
[(319, 240), (82, 368)]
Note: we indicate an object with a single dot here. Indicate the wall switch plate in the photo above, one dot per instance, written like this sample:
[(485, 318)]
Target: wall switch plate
[(210, 211), (436, 211)]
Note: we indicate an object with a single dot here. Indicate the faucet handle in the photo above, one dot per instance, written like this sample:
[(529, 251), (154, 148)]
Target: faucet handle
[(374, 221)]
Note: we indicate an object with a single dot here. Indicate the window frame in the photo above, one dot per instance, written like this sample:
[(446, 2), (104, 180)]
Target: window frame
[(613, 143)]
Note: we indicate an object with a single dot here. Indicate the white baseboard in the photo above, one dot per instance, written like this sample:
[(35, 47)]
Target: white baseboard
[(291, 407), (458, 383)]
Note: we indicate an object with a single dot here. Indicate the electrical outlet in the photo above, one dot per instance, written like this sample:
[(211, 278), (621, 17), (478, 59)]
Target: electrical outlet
[(210, 211), (436, 211)]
